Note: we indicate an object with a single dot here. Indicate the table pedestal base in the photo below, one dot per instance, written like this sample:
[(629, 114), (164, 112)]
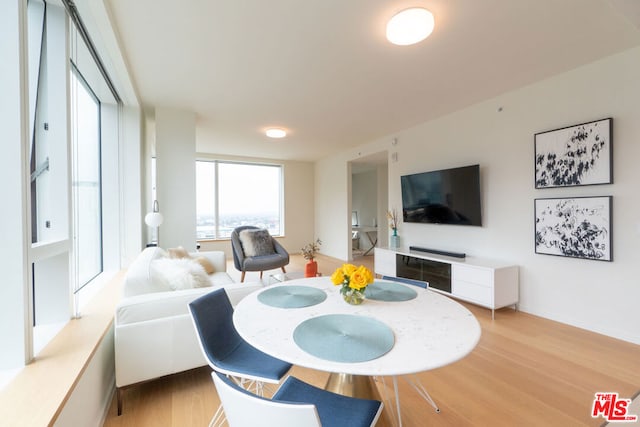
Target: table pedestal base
[(361, 386)]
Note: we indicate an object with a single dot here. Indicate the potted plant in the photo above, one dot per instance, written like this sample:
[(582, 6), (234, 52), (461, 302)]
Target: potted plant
[(309, 253)]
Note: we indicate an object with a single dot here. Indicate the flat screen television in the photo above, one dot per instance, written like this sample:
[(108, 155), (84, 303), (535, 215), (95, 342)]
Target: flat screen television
[(449, 196)]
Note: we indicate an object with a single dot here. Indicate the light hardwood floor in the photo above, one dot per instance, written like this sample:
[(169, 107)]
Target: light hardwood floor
[(525, 371)]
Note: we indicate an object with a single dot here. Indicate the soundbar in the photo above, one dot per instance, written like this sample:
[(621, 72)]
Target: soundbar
[(438, 252)]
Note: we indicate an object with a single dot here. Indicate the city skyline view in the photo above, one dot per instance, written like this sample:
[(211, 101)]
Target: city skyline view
[(206, 224)]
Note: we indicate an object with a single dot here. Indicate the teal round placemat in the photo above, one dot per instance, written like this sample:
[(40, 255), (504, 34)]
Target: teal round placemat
[(292, 296), (382, 290), (344, 337)]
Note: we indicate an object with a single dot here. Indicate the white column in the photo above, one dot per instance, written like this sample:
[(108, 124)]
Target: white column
[(131, 194), (176, 176)]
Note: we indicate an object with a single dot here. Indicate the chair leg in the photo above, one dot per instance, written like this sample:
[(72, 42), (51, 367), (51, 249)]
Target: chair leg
[(261, 275), (253, 386), (283, 270), (242, 277), (119, 400), (218, 419)]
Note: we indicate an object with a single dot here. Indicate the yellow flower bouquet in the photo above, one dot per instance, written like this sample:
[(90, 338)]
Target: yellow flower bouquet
[(353, 281)]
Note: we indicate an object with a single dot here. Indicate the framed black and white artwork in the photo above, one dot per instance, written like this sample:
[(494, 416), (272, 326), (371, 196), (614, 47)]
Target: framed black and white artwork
[(575, 155), (578, 227)]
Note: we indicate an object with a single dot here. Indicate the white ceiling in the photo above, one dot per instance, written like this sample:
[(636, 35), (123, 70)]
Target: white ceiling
[(323, 70)]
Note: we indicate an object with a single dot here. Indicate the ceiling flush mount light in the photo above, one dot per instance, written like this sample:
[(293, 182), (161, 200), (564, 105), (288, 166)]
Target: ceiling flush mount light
[(410, 26), (276, 133)]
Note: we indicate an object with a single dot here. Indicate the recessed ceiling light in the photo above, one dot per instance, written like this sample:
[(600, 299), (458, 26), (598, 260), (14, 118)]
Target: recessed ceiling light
[(276, 133), (410, 26)]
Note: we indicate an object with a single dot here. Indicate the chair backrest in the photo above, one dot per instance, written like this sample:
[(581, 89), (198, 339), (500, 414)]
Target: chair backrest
[(236, 245), (246, 409), (212, 316), (412, 282)]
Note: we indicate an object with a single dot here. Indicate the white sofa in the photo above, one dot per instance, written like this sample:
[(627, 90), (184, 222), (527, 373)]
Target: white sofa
[(154, 334)]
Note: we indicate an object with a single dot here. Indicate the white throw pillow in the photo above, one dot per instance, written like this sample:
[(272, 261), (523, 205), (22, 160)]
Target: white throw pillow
[(256, 242), (180, 273), (178, 252)]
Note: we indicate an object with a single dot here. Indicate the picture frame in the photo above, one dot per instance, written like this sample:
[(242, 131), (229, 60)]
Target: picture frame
[(576, 227), (574, 155)]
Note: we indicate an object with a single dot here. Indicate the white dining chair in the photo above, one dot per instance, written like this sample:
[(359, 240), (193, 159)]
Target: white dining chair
[(295, 404)]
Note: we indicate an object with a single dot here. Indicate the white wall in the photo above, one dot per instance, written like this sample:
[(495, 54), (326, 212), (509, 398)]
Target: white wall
[(333, 206), (383, 196), (299, 205), (131, 195), (600, 296)]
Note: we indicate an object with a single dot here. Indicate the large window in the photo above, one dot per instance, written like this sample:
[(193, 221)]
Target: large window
[(48, 166), (38, 148), (66, 228), (85, 118), (232, 194), (94, 128)]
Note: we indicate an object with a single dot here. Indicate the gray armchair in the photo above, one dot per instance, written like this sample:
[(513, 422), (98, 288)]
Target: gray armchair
[(266, 254)]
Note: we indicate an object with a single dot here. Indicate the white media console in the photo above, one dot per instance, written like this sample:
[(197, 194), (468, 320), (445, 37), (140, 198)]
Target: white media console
[(479, 281)]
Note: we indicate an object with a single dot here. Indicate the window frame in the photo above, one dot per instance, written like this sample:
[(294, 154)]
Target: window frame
[(217, 162), (75, 72)]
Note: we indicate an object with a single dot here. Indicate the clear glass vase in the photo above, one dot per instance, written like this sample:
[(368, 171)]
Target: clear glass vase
[(353, 296), (394, 240)]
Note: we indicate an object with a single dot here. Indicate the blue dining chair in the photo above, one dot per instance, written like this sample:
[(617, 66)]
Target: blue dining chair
[(413, 380), (295, 404), (226, 352)]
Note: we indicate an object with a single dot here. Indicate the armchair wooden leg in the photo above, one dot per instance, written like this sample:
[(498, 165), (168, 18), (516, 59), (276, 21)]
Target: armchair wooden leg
[(119, 400), (283, 270), (242, 277), (261, 275)]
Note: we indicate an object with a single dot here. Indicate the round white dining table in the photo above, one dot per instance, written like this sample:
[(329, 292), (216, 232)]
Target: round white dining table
[(430, 330)]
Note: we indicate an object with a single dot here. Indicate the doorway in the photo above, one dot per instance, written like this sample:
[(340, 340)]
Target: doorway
[(369, 202)]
